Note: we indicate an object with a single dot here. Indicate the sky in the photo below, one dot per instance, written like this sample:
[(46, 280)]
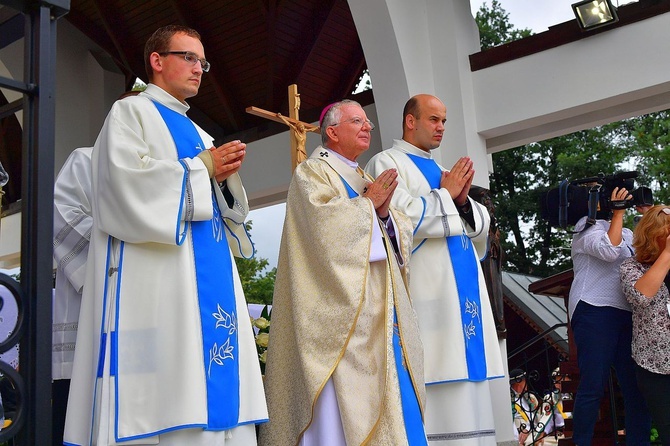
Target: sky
[(537, 15)]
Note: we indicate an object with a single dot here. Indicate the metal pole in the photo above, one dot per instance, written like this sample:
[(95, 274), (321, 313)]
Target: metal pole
[(37, 221)]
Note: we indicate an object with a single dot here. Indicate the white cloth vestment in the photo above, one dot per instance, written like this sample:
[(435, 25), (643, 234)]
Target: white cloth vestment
[(339, 305), (72, 232), (459, 408), (139, 375)]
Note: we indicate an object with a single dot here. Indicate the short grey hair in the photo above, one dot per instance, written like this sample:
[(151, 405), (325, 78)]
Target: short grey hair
[(332, 117)]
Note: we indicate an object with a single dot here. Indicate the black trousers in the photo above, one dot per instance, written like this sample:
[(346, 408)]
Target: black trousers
[(655, 389), (60, 389)]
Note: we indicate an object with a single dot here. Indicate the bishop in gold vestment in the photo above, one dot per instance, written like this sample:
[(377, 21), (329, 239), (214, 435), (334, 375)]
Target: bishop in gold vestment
[(340, 300)]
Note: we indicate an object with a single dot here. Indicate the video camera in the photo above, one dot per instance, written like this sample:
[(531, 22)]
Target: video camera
[(565, 205)]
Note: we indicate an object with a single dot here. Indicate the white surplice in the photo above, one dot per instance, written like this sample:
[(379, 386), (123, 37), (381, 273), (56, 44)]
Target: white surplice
[(458, 409), (72, 232)]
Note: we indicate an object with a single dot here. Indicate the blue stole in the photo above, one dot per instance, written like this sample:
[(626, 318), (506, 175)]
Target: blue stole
[(416, 434), (464, 264), (216, 291)]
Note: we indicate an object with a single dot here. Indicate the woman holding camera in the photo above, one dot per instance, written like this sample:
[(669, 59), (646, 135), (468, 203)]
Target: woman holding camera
[(601, 322), (645, 281)]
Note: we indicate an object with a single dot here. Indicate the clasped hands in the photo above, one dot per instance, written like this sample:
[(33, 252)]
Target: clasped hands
[(227, 159), (458, 180), (380, 191)]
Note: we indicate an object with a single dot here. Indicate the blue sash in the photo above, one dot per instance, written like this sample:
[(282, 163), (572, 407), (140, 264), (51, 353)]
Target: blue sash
[(464, 264), (416, 434), (216, 292)]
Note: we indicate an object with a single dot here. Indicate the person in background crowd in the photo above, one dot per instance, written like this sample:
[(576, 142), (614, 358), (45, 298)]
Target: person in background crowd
[(645, 281), (73, 221), (557, 396)]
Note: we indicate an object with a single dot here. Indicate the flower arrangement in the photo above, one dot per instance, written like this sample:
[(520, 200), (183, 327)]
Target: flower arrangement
[(262, 335)]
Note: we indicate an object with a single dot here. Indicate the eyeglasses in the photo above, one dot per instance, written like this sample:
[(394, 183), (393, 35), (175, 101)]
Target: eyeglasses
[(358, 122), (189, 57)]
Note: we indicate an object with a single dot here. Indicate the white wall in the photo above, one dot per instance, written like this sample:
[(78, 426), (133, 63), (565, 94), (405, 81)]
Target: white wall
[(603, 78), (423, 46), (84, 93)]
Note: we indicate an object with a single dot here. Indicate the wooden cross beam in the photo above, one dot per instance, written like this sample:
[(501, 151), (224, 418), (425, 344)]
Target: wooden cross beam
[(298, 128)]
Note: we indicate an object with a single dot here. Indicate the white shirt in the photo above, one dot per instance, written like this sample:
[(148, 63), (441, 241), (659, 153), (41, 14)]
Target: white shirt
[(596, 264)]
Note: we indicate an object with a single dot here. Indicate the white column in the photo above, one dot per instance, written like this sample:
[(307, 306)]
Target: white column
[(422, 46)]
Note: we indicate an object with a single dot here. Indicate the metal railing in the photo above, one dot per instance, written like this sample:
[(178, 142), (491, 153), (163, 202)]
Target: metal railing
[(537, 413), (32, 422)]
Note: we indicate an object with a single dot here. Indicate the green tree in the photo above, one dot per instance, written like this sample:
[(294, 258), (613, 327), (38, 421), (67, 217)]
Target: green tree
[(257, 283), (647, 138), (521, 175), (495, 28)]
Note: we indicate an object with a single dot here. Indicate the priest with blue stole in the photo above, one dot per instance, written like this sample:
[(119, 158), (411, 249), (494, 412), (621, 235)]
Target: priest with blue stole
[(345, 360), (447, 284), (165, 352)]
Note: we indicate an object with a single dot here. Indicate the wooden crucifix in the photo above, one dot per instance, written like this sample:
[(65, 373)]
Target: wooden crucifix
[(298, 128)]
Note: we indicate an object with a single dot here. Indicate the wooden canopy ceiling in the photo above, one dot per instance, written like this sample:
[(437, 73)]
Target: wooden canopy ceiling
[(256, 47)]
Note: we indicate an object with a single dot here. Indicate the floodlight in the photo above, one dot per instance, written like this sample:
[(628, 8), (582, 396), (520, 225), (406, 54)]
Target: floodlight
[(594, 13)]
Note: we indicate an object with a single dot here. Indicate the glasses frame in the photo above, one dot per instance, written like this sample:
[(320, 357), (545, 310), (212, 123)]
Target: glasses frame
[(187, 55), (356, 118)]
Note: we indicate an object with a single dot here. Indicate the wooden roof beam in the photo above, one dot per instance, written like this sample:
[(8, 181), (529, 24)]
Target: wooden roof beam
[(106, 12), (271, 20), (291, 75), (345, 87), (93, 32), (223, 94)]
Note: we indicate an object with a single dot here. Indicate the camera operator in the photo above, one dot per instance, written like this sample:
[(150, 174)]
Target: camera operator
[(601, 321)]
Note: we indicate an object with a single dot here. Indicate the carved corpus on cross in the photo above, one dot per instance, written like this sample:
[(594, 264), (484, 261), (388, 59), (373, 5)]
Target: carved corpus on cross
[(298, 128)]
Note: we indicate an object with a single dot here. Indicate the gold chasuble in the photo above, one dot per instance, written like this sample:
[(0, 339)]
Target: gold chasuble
[(333, 312)]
